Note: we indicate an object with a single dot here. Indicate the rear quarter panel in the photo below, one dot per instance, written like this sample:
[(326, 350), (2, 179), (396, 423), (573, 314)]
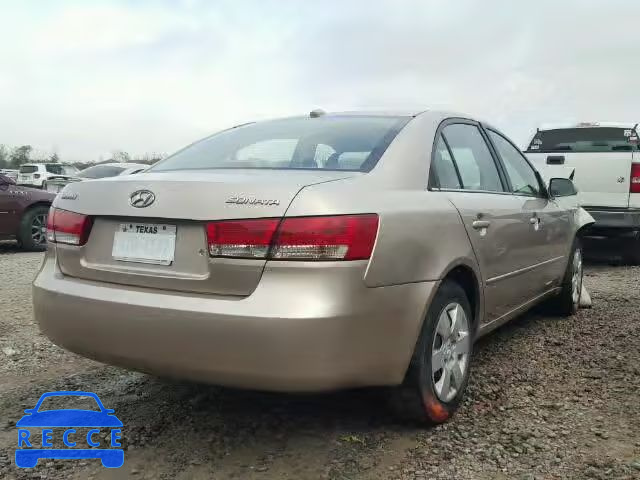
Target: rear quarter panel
[(35, 197), (420, 236)]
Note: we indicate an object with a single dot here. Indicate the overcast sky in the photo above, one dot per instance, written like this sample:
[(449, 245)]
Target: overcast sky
[(85, 78)]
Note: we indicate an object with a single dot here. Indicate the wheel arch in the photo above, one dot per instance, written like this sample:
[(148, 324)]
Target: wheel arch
[(31, 206), (468, 278)]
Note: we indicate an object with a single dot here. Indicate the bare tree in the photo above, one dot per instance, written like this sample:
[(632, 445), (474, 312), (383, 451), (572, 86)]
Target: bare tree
[(120, 156), (20, 155)]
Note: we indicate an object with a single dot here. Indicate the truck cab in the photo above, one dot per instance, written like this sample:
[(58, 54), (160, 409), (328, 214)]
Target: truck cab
[(604, 159)]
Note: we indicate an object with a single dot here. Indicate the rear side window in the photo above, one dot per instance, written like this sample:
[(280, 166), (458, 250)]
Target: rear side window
[(325, 143), (473, 158), (587, 139), (55, 169), (444, 168), (28, 168)]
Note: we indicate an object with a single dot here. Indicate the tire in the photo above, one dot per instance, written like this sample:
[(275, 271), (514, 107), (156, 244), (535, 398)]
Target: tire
[(423, 398), (28, 236), (632, 250), (567, 302)]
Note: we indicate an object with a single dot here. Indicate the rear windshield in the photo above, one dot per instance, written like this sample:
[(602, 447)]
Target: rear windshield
[(55, 168), (101, 171), (28, 168), (325, 143), (597, 139)]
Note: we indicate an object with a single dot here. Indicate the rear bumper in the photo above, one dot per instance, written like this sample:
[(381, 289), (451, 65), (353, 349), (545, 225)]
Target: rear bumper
[(606, 217), (30, 183), (306, 327)]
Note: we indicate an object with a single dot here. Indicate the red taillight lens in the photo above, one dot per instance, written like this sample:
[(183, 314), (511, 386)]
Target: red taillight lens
[(343, 237), (634, 186), (241, 238), (68, 227)]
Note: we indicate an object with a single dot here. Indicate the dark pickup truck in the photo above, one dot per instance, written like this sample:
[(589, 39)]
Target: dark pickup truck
[(23, 214)]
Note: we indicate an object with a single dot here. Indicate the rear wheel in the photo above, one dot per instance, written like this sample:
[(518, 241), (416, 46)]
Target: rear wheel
[(632, 249), (33, 229), (439, 371)]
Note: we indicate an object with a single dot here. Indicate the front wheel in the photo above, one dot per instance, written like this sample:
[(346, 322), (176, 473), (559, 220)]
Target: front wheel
[(632, 249), (567, 302), (439, 371)]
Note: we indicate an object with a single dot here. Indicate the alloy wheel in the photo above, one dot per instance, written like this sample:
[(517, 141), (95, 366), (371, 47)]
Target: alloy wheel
[(576, 276), (39, 229), (450, 352)]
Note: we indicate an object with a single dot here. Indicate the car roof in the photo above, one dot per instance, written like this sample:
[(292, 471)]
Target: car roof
[(118, 164), (44, 164), (563, 126), (376, 113)]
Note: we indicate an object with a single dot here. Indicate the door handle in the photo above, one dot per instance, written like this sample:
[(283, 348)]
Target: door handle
[(480, 224), (535, 221), (555, 160)]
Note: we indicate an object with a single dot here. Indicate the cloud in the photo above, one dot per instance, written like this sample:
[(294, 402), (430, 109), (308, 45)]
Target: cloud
[(87, 78)]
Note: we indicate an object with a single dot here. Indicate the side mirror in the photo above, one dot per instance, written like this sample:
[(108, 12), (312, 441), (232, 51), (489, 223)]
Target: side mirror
[(562, 187)]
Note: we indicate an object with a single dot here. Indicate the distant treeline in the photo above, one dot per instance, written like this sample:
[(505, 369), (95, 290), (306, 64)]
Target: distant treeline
[(14, 157)]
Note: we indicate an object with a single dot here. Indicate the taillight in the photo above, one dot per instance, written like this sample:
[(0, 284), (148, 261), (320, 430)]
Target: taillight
[(342, 237), (634, 185), (68, 227), (241, 238)]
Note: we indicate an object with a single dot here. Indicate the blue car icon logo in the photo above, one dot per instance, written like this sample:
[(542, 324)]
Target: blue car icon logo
[(28, 452)]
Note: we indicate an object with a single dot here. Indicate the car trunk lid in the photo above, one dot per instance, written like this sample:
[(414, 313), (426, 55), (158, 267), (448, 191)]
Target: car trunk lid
[(183, 202), (600, 153), (602, 178)]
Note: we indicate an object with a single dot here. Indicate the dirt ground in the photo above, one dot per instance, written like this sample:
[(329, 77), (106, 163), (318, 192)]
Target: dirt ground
[(548, 398)]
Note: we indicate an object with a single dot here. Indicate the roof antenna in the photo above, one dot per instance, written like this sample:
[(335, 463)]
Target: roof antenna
[(318, 112)]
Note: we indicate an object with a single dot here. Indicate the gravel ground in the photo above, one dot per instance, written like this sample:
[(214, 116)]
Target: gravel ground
[(548, 398)]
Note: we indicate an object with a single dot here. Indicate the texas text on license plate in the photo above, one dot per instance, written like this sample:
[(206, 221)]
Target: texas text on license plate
[(145, 243)]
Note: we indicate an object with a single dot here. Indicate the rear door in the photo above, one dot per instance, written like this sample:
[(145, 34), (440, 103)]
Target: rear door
[(600, 156), (467, 173)]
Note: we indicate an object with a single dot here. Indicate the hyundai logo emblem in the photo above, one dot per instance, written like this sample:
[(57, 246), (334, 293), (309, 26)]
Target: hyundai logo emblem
[(141, 198)]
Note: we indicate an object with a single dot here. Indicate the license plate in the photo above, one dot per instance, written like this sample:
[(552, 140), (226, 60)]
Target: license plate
[(145, 243)]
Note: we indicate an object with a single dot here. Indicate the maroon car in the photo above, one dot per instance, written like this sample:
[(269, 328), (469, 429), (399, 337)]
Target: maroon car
[(23, 214)]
